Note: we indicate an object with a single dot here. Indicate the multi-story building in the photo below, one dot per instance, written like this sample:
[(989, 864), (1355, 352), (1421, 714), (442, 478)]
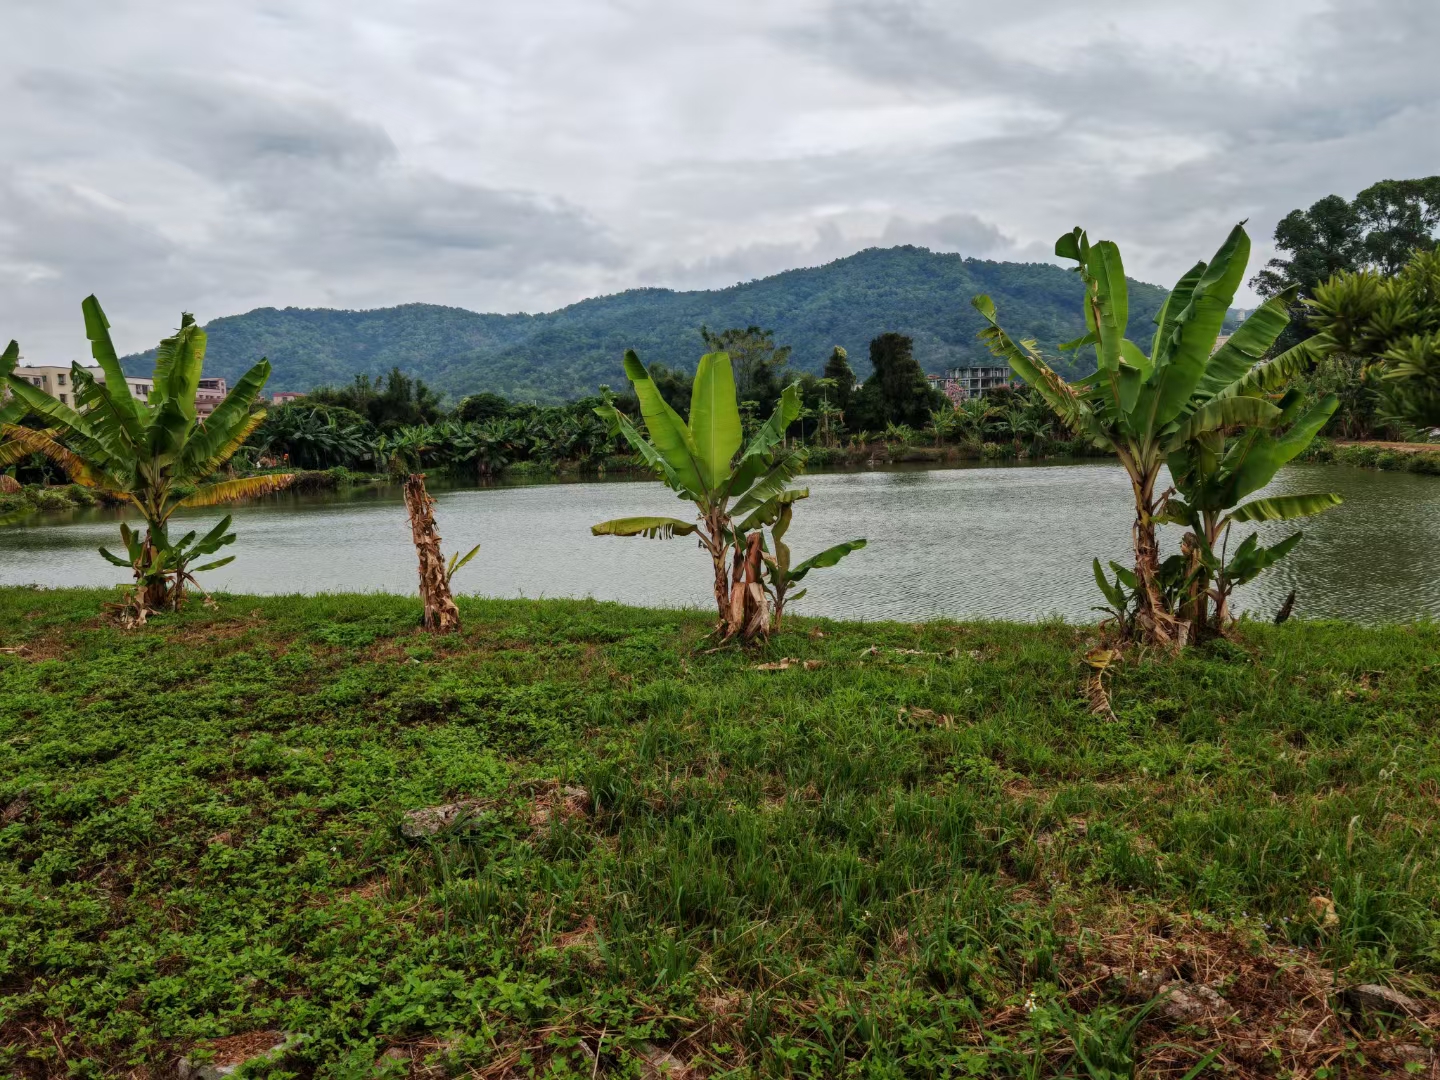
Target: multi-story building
[(966, 382), (59, 383), (208, 397)]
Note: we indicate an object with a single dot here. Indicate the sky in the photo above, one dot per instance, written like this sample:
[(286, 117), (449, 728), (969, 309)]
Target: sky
[(521, 155)]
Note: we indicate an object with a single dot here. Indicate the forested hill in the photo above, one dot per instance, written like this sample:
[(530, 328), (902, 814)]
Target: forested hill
[(567, 353)]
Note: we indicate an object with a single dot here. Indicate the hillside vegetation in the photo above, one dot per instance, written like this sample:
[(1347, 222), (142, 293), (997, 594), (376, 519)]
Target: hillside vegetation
[(568, 353)]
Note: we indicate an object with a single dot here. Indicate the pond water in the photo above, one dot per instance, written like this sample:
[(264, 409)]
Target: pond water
[(1011, 542)]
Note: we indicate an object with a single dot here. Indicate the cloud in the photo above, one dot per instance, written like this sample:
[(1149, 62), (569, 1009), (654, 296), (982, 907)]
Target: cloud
[(238, 194), (512, 156), (965, 234)]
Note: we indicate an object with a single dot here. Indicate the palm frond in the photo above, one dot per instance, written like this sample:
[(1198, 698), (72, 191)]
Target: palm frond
[(229, 490), (19, 441), (225, 452)]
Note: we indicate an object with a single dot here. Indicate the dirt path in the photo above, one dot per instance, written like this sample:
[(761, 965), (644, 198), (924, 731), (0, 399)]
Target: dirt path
[(1403, 447)]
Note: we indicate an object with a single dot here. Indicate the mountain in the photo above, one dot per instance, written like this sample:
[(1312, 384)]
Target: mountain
[(567, 353)]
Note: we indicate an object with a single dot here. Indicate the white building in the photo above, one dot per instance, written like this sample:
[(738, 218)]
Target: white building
[(59, 383)]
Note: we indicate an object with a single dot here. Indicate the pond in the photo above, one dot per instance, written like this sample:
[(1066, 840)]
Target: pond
[(1012, 542)]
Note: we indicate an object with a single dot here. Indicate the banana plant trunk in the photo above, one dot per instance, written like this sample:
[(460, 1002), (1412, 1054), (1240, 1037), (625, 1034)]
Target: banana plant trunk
[(712, 538), (749, 615), (1154, 621), (155, 592), (441, 613)]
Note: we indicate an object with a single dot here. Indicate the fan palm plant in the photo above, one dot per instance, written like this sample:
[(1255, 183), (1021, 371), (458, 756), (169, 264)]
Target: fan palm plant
[(157, 454), (704, 463), (1145, 408)]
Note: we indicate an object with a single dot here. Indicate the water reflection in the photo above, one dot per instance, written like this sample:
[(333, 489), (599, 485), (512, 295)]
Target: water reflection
[(1010, 542)]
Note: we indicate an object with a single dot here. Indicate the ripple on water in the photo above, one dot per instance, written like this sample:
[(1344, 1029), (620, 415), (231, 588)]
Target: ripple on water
[(981, 542)]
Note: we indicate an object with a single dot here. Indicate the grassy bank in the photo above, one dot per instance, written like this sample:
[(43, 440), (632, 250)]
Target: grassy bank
[(912, 851), (1387, 457), (37, 498)]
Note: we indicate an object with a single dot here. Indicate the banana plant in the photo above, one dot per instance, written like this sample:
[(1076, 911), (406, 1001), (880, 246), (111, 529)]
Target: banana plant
[(1146, 407), (704, 463), (157, 454), (780, 575), (457, 561), (12, 410), (170, 566), (1213, 468)]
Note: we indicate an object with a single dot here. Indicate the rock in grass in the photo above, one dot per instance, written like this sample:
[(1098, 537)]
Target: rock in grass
[(1371, 996), (1185, 1002), (235, 1050), (429, 820), (660, 1064)]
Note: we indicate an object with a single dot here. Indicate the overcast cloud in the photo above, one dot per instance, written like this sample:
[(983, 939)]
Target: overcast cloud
[(507, 156)]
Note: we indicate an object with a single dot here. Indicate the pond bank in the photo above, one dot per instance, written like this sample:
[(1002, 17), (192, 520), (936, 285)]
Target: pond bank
[(917, 852), (1385, 456)]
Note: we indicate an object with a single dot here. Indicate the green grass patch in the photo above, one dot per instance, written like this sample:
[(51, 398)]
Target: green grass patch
[(913, 851)]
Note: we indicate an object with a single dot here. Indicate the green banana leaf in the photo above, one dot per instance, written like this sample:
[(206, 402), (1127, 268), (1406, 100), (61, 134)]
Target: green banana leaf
[(1248, 344), (1167, 318), (1224, 413), (829, 557), (232, 415), (121, 405), (667, 431), (652, 527), (1285, 507), (715, 417)]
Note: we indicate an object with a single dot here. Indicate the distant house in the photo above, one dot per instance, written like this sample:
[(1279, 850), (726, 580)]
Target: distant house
[(285, 397), (208, 396), (59, 383), (966, 382)]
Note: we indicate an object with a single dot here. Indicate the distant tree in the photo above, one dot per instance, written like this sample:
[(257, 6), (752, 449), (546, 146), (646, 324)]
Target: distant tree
[(1324, 240), (838, 369), (1380, 229), (897, 392), (759, 363), (477, 408), (398, 400), (1400, 217)]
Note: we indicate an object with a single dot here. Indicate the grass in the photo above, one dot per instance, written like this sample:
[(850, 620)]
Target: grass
[(911, 852), (1420, 458)]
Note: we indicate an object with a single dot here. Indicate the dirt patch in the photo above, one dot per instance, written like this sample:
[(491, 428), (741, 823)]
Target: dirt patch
[(579, 938), (1254, 1003), (233, 1049), (554, 802)]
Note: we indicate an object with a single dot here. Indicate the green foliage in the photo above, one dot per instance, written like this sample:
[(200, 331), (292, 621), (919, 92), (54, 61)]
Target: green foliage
[(780, 575), (1390, 323), (1180, 402), (1382, 228), (311, 436), (157, 453), (862, 866), (568, 353), (897, 392), (709, 461), (398, 400)]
